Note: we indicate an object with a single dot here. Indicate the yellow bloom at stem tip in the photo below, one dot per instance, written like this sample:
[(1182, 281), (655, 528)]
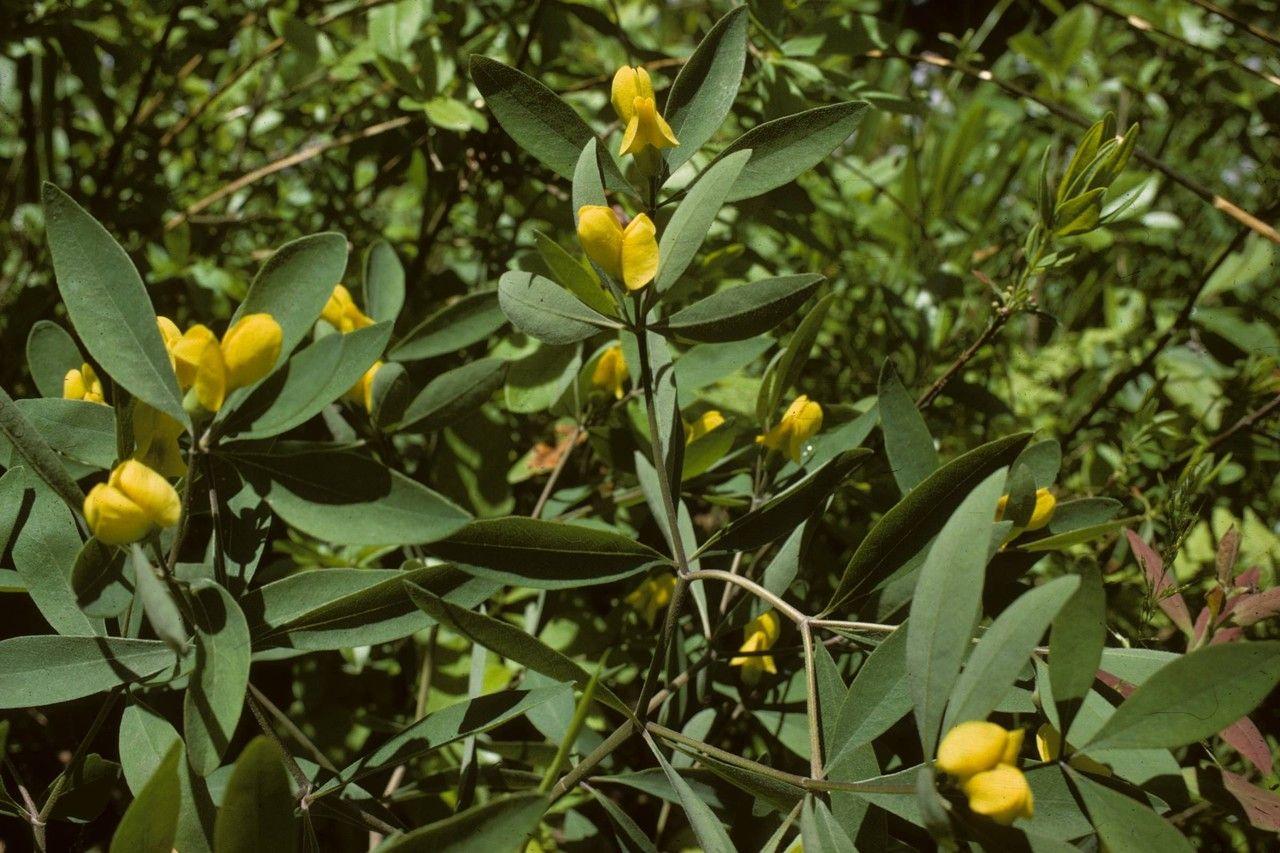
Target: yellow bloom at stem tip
[(759, 636), (83, 384), (628, 255), (611, 372), (633, 101), (247, 353), (799, 423), (651, 596), (155, 440), (703, 424), (1040, 516), (134, 500), (341, 311), (983, 756), (362, 392)]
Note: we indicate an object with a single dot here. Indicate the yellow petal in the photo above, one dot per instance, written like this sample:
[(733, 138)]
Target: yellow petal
[(611, 373), (971, 747), (600, 234), (1043, 512), (336, 308), (1048, 743), (639, 252), (628, 84), (250, 348), (632, 141), (1012, 746), (705, 423), (1001, 794), (73, 385), (146, 488), (652, 130), (188, 351), (211, 378), (362, 392), (805, 419), (113, 518), (155, 439), (169, 334)]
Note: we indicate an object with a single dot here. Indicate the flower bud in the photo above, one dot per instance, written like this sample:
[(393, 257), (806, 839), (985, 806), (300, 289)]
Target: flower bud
[(1049, 747), (133, 501), (628, 84), (1041, 514), (83, 384), (633, 101), (1001, 793), (611, 372), (800, 422), (975, 746), (188, 350)]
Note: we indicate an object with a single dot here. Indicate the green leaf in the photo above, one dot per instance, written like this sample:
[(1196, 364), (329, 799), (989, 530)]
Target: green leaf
[(150, 824), (1042, 459), (688, 227), (145, 739), (45, 552), (1004, 650), (706, 826), (383, 282), (36, 452), (947, 604), (44, 670), (743, 311), (444, 726), (588, 182), (257, 806), (51, 352), (1124, 824), (509, 642), (1061, 541), (348, 499), (787, 147), (1080, 214), (339, 608), (1083, 512), (459, 324), (537, 381), (157, 602), (878, 697), (543, 309), (85, 432), (453, 395), (503, 823), (215, 695), (537, 119), (786, 371), (544, 554), (636, 838), (706, 86), (783, 512), (819, 829), (1076, 641), (295, 283), (571, 274), (907, 528), (1193, 697), (907, 442), (310, 381), (108, 304), (102, 584)]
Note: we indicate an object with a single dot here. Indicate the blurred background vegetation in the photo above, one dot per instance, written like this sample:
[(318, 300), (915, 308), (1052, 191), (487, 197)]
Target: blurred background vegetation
[(205, 134)]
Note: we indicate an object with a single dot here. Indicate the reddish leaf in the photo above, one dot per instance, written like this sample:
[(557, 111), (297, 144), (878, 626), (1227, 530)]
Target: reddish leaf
[(1228, 551), (1202, 623), (1226, 635), (1261, 806), (1171, 603), (1256, 607), (1249, 579), (1116, 683), (1243, 736)]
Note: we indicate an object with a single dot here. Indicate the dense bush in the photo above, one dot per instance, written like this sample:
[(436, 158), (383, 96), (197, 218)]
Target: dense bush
[(609, 425)]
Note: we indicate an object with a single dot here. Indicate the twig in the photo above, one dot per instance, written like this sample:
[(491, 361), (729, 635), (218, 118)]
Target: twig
[(993, 327), (811, 701), (1245, 423), (555, 473), (751, 586), (294, 732)]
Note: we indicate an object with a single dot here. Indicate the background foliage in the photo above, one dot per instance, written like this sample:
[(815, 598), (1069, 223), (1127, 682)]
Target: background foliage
[(206, 136)]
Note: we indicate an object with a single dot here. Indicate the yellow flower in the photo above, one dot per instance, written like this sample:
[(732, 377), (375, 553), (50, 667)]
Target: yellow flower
[(975, 746), (634, 103), (759, 636), (155, 440), (247, 353), (1001, 793), (705, 423), (250, 349), (629, 255), (187, 350), (341, 312), (362, 392), (799, 423), (83, 384), (1049, 746), (611, 371), (651, 596), (133, 501), (1040, 516)]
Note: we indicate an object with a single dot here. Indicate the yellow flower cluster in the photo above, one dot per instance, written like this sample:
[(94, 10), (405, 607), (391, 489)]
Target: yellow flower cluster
[(83, 384), (800, 422), (342, 313), (651, 596), (247, 353), (983, 757), (611, 372), (134, 501), (760, 635), (628, 255), (155, 440), (1040, 516)]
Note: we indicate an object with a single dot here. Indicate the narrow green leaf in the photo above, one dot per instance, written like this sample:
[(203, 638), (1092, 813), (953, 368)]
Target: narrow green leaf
[(215, 695), (150, 824), (1124, 824), (36, 452), (878, 697), (706, 826), (743, 311), (1076, 642), (688, 227), (157, 602), (705, 88), (503, 823), (947, 604), (1004, 650), (786, 371), (459, 324), (544, 554), (45, 670), (453, 395), (907, 442), (570, 273), (819, 829), (84, 432), (108, 304), (102, 584), (257, 806), (383, 282), (543, 309)]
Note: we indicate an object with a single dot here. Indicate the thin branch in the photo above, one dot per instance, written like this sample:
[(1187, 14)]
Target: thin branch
[(1245, 423), (555, 472), (993, 328), (293, 730), (751, 586), (1228, 15), (811, 701)]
